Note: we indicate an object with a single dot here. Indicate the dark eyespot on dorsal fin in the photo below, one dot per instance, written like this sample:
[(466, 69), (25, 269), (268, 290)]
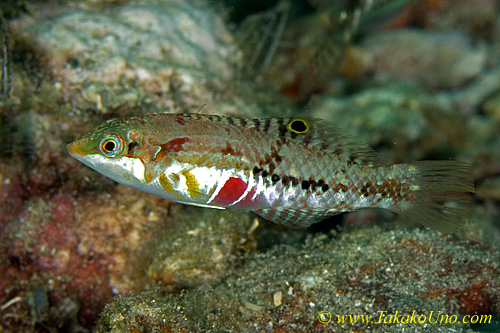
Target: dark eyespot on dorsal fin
[(320, 134), (298, 126)]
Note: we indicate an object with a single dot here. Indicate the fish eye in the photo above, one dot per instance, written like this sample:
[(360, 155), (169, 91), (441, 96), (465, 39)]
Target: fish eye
[(111, 146), (298, 126)]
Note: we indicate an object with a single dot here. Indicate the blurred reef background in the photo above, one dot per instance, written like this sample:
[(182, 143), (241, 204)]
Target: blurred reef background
[(79, 253)]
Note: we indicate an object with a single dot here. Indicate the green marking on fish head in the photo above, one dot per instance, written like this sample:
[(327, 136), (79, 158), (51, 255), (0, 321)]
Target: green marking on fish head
[(106, 150)]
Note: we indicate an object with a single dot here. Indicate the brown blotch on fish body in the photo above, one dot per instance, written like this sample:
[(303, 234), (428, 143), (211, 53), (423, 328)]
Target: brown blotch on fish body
[(230, 151)]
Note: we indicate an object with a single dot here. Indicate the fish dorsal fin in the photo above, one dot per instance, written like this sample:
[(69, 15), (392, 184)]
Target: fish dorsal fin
[(205, 109), (321, 134)]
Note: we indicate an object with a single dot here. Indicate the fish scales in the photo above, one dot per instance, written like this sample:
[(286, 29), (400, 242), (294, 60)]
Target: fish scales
[(293, 171)]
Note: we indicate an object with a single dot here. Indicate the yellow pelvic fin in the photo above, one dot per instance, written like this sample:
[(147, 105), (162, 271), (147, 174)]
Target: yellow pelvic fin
[(167, 186), (191, 183)]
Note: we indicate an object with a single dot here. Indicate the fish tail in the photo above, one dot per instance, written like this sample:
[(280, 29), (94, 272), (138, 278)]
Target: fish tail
[(439, 182)]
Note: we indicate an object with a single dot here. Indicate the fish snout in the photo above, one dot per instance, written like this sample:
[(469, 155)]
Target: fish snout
[(74, 149)]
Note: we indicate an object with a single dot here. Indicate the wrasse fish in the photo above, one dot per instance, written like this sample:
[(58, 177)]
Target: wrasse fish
[(292, 171)]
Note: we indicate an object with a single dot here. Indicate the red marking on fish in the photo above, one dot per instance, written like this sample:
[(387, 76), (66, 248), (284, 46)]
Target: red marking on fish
[(232, 190), (180, 120), (247, 202), (271, 213), (283, 215), (172, 146), (133, 135)]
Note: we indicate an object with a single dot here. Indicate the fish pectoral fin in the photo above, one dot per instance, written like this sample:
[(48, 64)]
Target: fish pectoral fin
[(295, 218)]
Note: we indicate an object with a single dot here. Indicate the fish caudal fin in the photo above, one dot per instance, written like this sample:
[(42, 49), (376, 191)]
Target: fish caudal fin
[(441, 198)]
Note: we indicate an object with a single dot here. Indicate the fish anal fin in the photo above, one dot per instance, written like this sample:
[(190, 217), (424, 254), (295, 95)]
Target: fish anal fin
[(295, 218)]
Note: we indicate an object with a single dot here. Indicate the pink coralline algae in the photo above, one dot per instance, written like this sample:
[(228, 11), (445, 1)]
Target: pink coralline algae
[(49, 252)]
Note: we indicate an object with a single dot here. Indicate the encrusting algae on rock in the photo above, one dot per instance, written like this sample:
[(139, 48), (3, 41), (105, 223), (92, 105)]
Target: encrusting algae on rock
[(292, 171), (376, 271)]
